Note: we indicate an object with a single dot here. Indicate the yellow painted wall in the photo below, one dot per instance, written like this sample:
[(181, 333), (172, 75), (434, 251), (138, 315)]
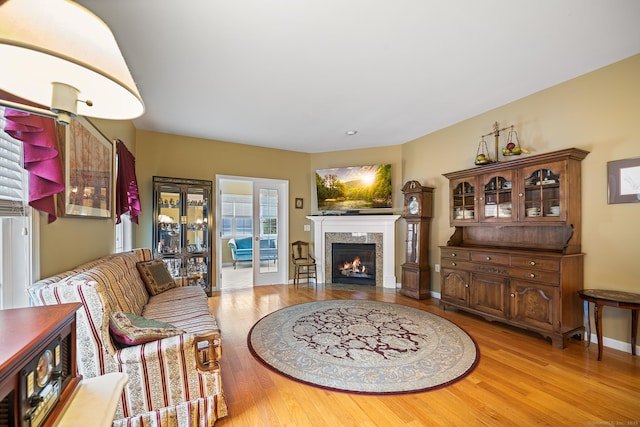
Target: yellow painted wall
[(175, 156), (68, 242), (597, 112)]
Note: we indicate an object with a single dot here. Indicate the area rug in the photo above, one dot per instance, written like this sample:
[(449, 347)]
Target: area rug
[(367, 347)]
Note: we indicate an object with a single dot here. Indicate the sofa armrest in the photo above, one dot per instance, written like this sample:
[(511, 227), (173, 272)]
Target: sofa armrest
[(234, 248), (164, 373)]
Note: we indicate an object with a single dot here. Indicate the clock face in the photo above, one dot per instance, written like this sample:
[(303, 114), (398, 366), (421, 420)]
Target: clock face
[(44, 368), (413, 206)]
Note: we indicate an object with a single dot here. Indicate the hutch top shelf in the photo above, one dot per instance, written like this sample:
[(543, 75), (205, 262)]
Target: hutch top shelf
[(530, 203)]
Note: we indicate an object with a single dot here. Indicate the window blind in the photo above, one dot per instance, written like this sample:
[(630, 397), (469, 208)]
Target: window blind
[(236, 205), (12, 174)]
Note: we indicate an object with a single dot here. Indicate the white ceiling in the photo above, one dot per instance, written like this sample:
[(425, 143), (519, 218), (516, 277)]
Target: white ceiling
[(297, 75)]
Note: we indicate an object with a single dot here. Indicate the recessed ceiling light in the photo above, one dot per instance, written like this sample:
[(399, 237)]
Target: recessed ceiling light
[(351, 132)]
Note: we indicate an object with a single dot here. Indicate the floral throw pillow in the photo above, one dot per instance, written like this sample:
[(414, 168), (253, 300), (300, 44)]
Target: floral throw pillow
[(129, 329), (156, 276)]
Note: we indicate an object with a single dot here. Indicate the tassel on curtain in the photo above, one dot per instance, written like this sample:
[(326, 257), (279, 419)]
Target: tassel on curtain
[(41, 158), (127, 195)]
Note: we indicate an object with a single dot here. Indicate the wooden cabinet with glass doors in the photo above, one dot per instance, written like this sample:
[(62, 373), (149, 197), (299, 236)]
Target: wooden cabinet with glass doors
[(515, 255), (181, 229), (541, 191)]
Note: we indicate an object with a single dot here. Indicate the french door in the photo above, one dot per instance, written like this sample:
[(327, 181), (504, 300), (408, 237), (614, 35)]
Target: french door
[(254, 209)]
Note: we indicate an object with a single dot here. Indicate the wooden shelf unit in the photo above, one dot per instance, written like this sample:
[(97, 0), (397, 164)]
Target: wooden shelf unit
[(515, 255)]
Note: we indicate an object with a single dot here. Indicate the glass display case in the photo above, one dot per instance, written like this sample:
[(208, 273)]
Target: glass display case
[(181, 229)]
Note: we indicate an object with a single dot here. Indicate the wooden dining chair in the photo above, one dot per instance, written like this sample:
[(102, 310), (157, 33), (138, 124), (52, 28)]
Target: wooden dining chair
[(304, 265)]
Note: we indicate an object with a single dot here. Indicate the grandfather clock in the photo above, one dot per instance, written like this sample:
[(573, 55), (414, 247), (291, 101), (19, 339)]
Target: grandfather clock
[(417, 211)]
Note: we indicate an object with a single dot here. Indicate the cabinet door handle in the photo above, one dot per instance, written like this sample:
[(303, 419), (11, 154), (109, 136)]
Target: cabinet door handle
[(466, 285), (532, 262), (520, 194), (453, 264), (532, 275), (513, 295), (488, 258), (481, 198)]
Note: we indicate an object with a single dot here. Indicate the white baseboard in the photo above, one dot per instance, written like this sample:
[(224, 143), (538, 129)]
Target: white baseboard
[(607, 342), (615, 344)]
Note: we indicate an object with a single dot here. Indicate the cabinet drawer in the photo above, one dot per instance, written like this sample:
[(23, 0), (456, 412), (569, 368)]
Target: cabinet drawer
[(455, 253), (534, 262), (490, 258), (549, 277), (456, 264)]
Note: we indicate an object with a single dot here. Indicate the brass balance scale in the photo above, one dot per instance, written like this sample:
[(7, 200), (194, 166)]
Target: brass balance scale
[(512, 146)]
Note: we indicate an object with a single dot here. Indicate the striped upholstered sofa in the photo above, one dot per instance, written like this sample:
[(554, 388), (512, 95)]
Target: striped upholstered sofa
[(173, 381)]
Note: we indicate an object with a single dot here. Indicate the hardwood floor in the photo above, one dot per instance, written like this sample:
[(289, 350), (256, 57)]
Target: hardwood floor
[(520, 380)]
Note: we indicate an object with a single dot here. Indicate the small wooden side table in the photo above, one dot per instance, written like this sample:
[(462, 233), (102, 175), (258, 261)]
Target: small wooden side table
[(602, 297)]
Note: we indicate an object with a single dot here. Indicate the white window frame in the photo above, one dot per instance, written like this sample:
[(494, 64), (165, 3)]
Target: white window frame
[(19, 242), (124, 234)]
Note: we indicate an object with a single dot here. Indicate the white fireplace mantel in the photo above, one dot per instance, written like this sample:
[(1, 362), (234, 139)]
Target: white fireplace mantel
[(384, 224)]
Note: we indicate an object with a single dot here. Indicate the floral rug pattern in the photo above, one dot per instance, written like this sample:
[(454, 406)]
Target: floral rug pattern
[(368, 347)]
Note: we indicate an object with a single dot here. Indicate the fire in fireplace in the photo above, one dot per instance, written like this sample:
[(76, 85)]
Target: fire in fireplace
[(353, 263)]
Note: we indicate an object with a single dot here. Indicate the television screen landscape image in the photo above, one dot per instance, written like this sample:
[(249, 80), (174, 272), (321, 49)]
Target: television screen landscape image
[(354, 188)]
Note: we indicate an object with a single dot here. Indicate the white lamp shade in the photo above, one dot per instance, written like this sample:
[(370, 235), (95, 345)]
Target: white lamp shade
[(56, 41)]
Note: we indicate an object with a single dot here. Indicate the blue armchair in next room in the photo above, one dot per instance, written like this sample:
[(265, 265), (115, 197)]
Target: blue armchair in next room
[(242, 249)]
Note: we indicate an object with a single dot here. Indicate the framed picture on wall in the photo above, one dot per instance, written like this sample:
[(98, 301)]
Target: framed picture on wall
[(299, 203), (624, 180), (88, 160)]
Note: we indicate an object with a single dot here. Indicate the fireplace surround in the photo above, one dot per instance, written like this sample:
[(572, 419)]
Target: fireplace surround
[(378, 229)]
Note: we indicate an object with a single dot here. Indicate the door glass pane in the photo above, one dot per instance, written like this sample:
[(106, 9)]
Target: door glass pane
[(268, 230), (237, 215), (169, 220), (244, 226)]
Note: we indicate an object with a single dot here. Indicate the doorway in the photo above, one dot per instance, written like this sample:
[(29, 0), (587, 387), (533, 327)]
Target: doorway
[(252, 229)]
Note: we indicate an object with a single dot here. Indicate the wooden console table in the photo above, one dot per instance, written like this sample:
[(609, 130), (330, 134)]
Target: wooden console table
[(39, 382), (34, 388), (602, 297)]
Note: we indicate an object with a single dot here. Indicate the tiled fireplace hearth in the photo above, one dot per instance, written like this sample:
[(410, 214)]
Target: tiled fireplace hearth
[(378, 229)]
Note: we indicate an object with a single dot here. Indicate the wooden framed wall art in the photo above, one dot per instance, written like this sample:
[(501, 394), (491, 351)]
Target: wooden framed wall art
[(624, 181), (88, 161)]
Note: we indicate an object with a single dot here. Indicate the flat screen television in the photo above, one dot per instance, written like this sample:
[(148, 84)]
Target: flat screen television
[(354, 189)]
